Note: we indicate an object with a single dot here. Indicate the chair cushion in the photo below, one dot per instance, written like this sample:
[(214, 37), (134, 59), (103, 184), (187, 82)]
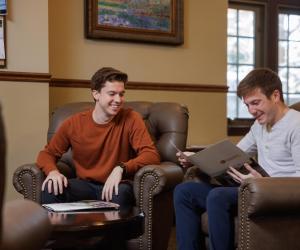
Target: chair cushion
[(25, 225)]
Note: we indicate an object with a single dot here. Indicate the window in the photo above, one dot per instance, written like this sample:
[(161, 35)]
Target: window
[(261, 34), (244, 39), (289, 55)]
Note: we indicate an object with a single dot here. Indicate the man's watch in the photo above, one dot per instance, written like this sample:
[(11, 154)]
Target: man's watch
[(122, 165)]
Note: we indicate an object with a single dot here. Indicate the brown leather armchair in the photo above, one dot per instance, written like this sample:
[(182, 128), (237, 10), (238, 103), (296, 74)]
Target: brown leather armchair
[(23, 223), (268, 212), (153, 184)]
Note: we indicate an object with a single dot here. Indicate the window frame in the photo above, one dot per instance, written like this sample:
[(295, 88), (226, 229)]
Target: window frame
[(259, 58), (271, 10)]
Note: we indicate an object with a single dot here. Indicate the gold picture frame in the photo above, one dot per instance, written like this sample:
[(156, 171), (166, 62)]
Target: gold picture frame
[(2, 41), (149, 21)]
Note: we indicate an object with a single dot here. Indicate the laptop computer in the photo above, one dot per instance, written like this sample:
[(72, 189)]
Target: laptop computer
[(80, 206), (216, 159)]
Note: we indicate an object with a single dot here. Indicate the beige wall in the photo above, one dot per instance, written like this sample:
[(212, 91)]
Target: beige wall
[(62, 50), (206, 124), (25, 105), (201, 60)]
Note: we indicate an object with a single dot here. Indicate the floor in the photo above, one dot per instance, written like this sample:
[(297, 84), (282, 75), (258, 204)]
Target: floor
[(171, 246), (172, 241)]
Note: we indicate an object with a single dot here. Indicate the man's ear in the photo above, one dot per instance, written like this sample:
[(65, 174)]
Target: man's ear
[(95, 95), (276, 95)]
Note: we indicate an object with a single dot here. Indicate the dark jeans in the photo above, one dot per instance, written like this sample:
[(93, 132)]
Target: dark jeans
[(78, 189), (191, 199)]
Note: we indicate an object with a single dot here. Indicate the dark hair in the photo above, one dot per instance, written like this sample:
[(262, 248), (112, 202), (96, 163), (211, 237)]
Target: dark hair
[(263, 78), (107, 74)]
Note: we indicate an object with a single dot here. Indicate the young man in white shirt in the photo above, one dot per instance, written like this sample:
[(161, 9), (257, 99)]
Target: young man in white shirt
[(274, 137)]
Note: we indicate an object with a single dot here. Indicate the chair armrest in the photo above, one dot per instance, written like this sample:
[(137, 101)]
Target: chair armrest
[(25, 225), (153, 187), (27, 180), (154, 179), (269, 196), (269, 212)]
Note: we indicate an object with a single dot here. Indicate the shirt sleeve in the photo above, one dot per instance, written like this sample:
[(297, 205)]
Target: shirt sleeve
[(56, 147), (295, 149), (248, 143), (142, 144)]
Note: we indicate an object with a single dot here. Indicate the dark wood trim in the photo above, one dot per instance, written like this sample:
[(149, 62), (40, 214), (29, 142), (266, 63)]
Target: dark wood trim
[(239, 126), (24, 76), (272, 8), (69, 83), (75, 83)]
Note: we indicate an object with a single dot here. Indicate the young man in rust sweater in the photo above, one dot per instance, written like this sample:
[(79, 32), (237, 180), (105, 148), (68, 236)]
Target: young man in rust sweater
[(101, 140)]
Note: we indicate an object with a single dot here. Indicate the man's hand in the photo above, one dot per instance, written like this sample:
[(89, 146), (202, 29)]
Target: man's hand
[(112, 184), (55, 182), (182, 158), (239, 177)]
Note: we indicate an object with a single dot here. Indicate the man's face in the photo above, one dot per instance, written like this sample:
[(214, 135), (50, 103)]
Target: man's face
[(110, 98), (263, 109)]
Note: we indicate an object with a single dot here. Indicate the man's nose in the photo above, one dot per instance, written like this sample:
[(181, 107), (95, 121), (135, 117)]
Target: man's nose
[(117, 98), (252, 110)]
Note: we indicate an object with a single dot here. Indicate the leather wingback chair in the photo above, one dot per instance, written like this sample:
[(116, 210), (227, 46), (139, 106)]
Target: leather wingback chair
[(268, 212), (23, 223), (153, 184)]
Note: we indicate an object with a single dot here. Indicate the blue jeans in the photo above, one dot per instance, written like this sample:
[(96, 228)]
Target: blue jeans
[(79, 189), (191, 199)]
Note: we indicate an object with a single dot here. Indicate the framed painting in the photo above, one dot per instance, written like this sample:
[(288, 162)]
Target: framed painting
[(2, 42), (153, 21)]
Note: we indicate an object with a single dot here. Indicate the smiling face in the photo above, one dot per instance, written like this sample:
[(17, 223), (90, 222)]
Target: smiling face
[(265, 110), (109, 100)]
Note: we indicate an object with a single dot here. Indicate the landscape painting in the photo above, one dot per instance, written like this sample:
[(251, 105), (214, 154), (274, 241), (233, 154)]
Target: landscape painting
[(3, 7), (153, 21), (136, 14)]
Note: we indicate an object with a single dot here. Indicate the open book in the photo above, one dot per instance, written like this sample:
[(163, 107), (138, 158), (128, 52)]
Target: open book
[(215, 160), (80, 206)]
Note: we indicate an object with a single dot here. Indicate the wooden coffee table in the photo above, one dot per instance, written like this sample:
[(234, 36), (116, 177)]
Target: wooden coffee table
[(90, 229)]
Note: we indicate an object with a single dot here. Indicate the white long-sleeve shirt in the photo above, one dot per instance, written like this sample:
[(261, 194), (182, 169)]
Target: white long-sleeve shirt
[(278, 150)]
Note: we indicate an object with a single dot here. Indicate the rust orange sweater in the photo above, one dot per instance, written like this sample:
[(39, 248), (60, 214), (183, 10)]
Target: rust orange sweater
[(97, 148)]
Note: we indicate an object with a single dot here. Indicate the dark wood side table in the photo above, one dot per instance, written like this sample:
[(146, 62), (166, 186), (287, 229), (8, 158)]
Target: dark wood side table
[(93, 229)]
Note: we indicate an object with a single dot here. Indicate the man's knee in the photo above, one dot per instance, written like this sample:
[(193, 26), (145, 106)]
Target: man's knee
[(185, 191), (180, 192), (125, 188), (47, 198), (125, 195), (221, 197)]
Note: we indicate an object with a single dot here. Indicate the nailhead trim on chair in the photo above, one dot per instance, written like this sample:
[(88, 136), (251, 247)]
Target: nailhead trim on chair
[(24, 190), (149, 226), (245, 224)]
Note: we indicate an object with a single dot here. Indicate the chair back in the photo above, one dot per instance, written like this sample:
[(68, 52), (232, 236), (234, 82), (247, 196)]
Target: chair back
[(296, 106), (165, 122)]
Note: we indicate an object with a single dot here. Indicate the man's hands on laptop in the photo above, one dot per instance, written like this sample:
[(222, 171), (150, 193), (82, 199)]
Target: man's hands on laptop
[(55, 182), (239, 177), (182, 158)]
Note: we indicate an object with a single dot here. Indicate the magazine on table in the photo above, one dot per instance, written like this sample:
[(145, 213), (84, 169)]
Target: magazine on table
[(80, 206), (215, 160)]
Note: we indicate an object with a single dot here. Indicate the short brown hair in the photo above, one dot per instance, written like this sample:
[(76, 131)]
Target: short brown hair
[(107, 74), (263, 78)]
